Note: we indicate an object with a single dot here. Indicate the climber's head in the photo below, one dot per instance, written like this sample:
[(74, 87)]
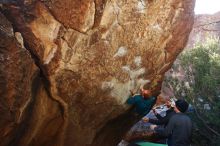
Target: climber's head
[(145, 93)]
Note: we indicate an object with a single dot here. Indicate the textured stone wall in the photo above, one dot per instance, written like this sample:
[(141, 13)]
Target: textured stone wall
[(75, 62)]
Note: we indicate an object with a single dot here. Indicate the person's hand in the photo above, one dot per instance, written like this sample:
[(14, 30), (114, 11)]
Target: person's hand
[(145, 119), (152, 127), (131, 92), (154, 111)]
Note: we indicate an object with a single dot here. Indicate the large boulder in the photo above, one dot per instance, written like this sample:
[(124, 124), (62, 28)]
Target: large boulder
[(89, 54)]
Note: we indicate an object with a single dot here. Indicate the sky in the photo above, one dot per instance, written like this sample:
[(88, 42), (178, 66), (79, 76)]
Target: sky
[(207, 6)]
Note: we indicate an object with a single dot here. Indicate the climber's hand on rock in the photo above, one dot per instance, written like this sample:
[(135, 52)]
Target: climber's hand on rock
[(131, 92)]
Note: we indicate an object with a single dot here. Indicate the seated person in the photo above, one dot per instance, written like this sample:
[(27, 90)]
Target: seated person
[(143, 102), (162, 120)]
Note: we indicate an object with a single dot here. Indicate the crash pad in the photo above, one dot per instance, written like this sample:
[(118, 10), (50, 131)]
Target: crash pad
[(150, 144)]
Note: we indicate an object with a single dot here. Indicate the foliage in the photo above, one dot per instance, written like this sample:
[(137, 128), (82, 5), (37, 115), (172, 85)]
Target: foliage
[(203, 62)]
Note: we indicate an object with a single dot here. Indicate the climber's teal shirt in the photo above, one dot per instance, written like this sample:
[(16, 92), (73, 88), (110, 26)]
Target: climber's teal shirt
[(143, 106)]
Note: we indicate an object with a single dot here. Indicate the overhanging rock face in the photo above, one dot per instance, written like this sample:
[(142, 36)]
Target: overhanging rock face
[(89, 54)]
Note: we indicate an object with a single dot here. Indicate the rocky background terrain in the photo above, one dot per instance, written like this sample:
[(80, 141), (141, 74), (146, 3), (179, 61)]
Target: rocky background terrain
[(66, 66), (205, 27)]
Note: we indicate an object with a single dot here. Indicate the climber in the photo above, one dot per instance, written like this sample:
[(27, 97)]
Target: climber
[(179, 127), (143, 102), (163, 120)]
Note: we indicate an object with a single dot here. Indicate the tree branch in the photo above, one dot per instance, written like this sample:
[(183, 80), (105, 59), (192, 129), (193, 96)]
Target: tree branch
[(205, 29), (208, 23)]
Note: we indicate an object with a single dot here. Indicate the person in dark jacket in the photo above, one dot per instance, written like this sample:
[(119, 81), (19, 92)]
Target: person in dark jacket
[(179, 126), (143, 102)]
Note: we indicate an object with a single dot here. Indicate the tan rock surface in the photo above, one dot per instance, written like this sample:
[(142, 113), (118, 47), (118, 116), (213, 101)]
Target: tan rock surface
[(91, 53), (17, 72), (26, 110)]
